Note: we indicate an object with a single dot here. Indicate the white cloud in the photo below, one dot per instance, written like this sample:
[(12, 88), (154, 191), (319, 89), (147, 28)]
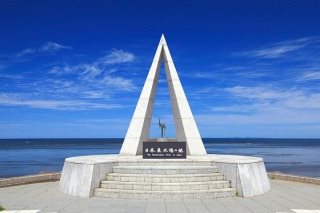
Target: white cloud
[(94, 74), (205, 75), (276, 97), (234, 108), (89, 70), (100, 71), (7, 99), (116, 57), (224, 73), (278, 116), (26, 52), (119, 82), (10, 76), (95, 94), (71, 87), (258, 92), (265, 106), (310, 76), (52, 47), (279, 49), (62, 69), (48, 47)]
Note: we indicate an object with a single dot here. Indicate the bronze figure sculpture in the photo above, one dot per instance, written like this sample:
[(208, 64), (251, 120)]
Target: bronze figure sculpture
[(163, 127)]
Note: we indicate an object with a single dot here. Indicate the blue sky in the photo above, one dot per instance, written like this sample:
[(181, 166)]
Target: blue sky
[(76, 68)]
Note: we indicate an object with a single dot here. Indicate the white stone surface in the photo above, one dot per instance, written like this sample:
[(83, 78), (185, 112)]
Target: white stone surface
[(186, 128), (81, 175), (284, 197), (247, 174)]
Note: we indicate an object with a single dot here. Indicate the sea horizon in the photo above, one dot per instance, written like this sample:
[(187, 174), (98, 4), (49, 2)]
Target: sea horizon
[(35, 138), (27, 156)]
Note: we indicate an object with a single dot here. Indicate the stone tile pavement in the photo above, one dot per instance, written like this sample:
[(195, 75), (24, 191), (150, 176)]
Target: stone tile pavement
[(285, 196)]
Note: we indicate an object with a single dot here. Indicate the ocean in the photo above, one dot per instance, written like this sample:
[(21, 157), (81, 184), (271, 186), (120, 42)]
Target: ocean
[(33, 156)]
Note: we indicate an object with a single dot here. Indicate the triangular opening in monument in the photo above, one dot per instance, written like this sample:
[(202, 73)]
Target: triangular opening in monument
[(162, 109)]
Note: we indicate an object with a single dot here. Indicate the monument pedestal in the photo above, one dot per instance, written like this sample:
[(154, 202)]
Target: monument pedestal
[(209, 176)]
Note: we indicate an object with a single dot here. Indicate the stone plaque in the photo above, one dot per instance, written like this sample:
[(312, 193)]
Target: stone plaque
[(164, 150)]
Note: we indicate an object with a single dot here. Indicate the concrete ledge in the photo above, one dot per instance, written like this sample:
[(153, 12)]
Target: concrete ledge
[(247, 174), (29, 179), (293, 178), (81, 175)]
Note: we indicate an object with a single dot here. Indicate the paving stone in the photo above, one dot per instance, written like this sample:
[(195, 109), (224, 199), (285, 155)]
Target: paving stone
[(283, 197), (195, 206)]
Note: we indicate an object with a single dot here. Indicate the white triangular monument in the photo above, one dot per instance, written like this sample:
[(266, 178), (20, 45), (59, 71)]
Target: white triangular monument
[(185, 125)]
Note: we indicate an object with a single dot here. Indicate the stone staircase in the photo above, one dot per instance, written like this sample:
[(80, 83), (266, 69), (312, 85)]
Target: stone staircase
[(164, 179)]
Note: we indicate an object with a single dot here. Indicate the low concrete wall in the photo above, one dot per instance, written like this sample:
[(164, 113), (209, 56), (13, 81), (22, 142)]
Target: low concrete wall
[(247, 174), (14, 181), (81, 175)]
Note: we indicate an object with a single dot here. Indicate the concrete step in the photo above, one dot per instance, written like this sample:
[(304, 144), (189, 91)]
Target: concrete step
[(184, 186), (171, 162), (146, 195), (165, 178), (165, 170)]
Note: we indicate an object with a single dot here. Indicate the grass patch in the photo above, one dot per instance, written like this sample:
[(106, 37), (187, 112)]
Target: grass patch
[(1, 208)]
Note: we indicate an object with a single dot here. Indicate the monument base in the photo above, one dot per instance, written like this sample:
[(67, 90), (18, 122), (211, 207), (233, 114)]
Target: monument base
[(209, 176)]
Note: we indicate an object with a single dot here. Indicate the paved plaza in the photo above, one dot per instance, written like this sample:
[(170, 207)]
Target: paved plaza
[(285, 196)]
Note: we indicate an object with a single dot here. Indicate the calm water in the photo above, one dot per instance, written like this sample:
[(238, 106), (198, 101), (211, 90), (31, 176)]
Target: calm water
[(33, 156)]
